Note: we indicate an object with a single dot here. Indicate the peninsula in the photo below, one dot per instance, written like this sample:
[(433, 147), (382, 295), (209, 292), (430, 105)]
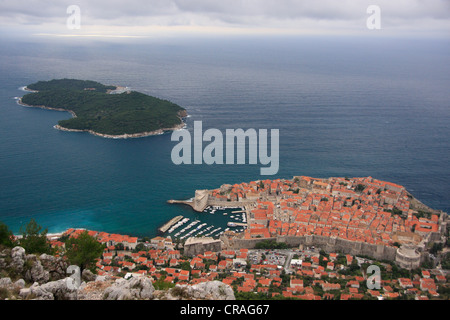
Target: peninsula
[(358, 216), (106, 111)]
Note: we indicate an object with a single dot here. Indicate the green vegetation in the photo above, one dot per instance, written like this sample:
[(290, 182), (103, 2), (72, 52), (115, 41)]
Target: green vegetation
[(360, 188), (271, 244), (185, 265), (160, 284), (444, 292), (139, 247), (394, 211), (5, 236), (34, 240), (84, 250), (72, 84), (353, 270), (251, 296), (423, 214), (96, 110), (445, 263), (436, 248)]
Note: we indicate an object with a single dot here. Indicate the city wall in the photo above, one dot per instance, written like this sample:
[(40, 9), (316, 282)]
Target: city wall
[(229, 203), (328, 244)]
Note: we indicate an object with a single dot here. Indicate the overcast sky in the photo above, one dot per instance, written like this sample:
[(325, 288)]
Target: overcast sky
[(160, 17)]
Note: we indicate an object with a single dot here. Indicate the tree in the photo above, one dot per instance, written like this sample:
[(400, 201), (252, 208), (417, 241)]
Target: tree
[(6, 236), (119, 246), (84, 250), (436, 248), (354, 267), (34, 240), (139, 247)]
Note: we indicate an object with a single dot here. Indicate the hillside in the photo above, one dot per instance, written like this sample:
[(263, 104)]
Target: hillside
[(45, 277)]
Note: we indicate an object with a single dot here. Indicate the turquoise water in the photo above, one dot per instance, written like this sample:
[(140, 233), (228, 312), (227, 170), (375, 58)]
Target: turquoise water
[(343, 108)]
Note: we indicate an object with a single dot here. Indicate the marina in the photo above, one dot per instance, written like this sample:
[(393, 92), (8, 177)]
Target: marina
[(178, 224), (213, 221)]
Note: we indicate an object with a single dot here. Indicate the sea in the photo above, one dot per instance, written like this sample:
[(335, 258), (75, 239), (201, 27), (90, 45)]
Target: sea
[(344, 106)]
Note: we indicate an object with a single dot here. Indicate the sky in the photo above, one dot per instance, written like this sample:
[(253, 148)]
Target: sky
[(162, 18)]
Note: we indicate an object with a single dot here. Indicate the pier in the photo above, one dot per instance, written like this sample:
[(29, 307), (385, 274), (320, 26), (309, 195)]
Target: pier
[(187, 202), (236, 224), (167, 226), (201, 201)]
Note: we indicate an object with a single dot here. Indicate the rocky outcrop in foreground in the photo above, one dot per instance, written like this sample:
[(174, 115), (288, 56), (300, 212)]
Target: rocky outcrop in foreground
[(44, 277), (211, 290)]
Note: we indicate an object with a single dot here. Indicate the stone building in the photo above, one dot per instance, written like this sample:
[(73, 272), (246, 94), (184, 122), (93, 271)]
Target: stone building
[(194, 246)]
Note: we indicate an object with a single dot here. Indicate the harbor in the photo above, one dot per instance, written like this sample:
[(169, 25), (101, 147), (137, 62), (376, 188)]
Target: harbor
[(213, 221)]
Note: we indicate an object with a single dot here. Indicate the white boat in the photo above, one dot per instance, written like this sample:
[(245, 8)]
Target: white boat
[(214, 231), (189, 226), (178, 224)]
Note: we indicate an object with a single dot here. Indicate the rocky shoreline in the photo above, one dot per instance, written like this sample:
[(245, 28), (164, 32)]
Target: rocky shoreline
[(122, 136), (19, 102), (181, 114)]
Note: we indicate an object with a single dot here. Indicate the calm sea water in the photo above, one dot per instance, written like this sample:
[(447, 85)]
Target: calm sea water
[(344, 107)]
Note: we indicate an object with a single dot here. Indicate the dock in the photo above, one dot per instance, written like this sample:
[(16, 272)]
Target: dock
[(172, 221), (239, 211), (236, 224), (187, 202)]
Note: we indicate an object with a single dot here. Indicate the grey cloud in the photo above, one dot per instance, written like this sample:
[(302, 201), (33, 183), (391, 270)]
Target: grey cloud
[(248, 13)]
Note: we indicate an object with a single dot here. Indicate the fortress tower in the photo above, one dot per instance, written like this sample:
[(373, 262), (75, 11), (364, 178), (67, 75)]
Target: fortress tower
[(200, 200), (408, 257)]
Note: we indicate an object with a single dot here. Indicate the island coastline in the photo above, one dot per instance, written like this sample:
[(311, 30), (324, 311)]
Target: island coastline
[(181, 115)]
